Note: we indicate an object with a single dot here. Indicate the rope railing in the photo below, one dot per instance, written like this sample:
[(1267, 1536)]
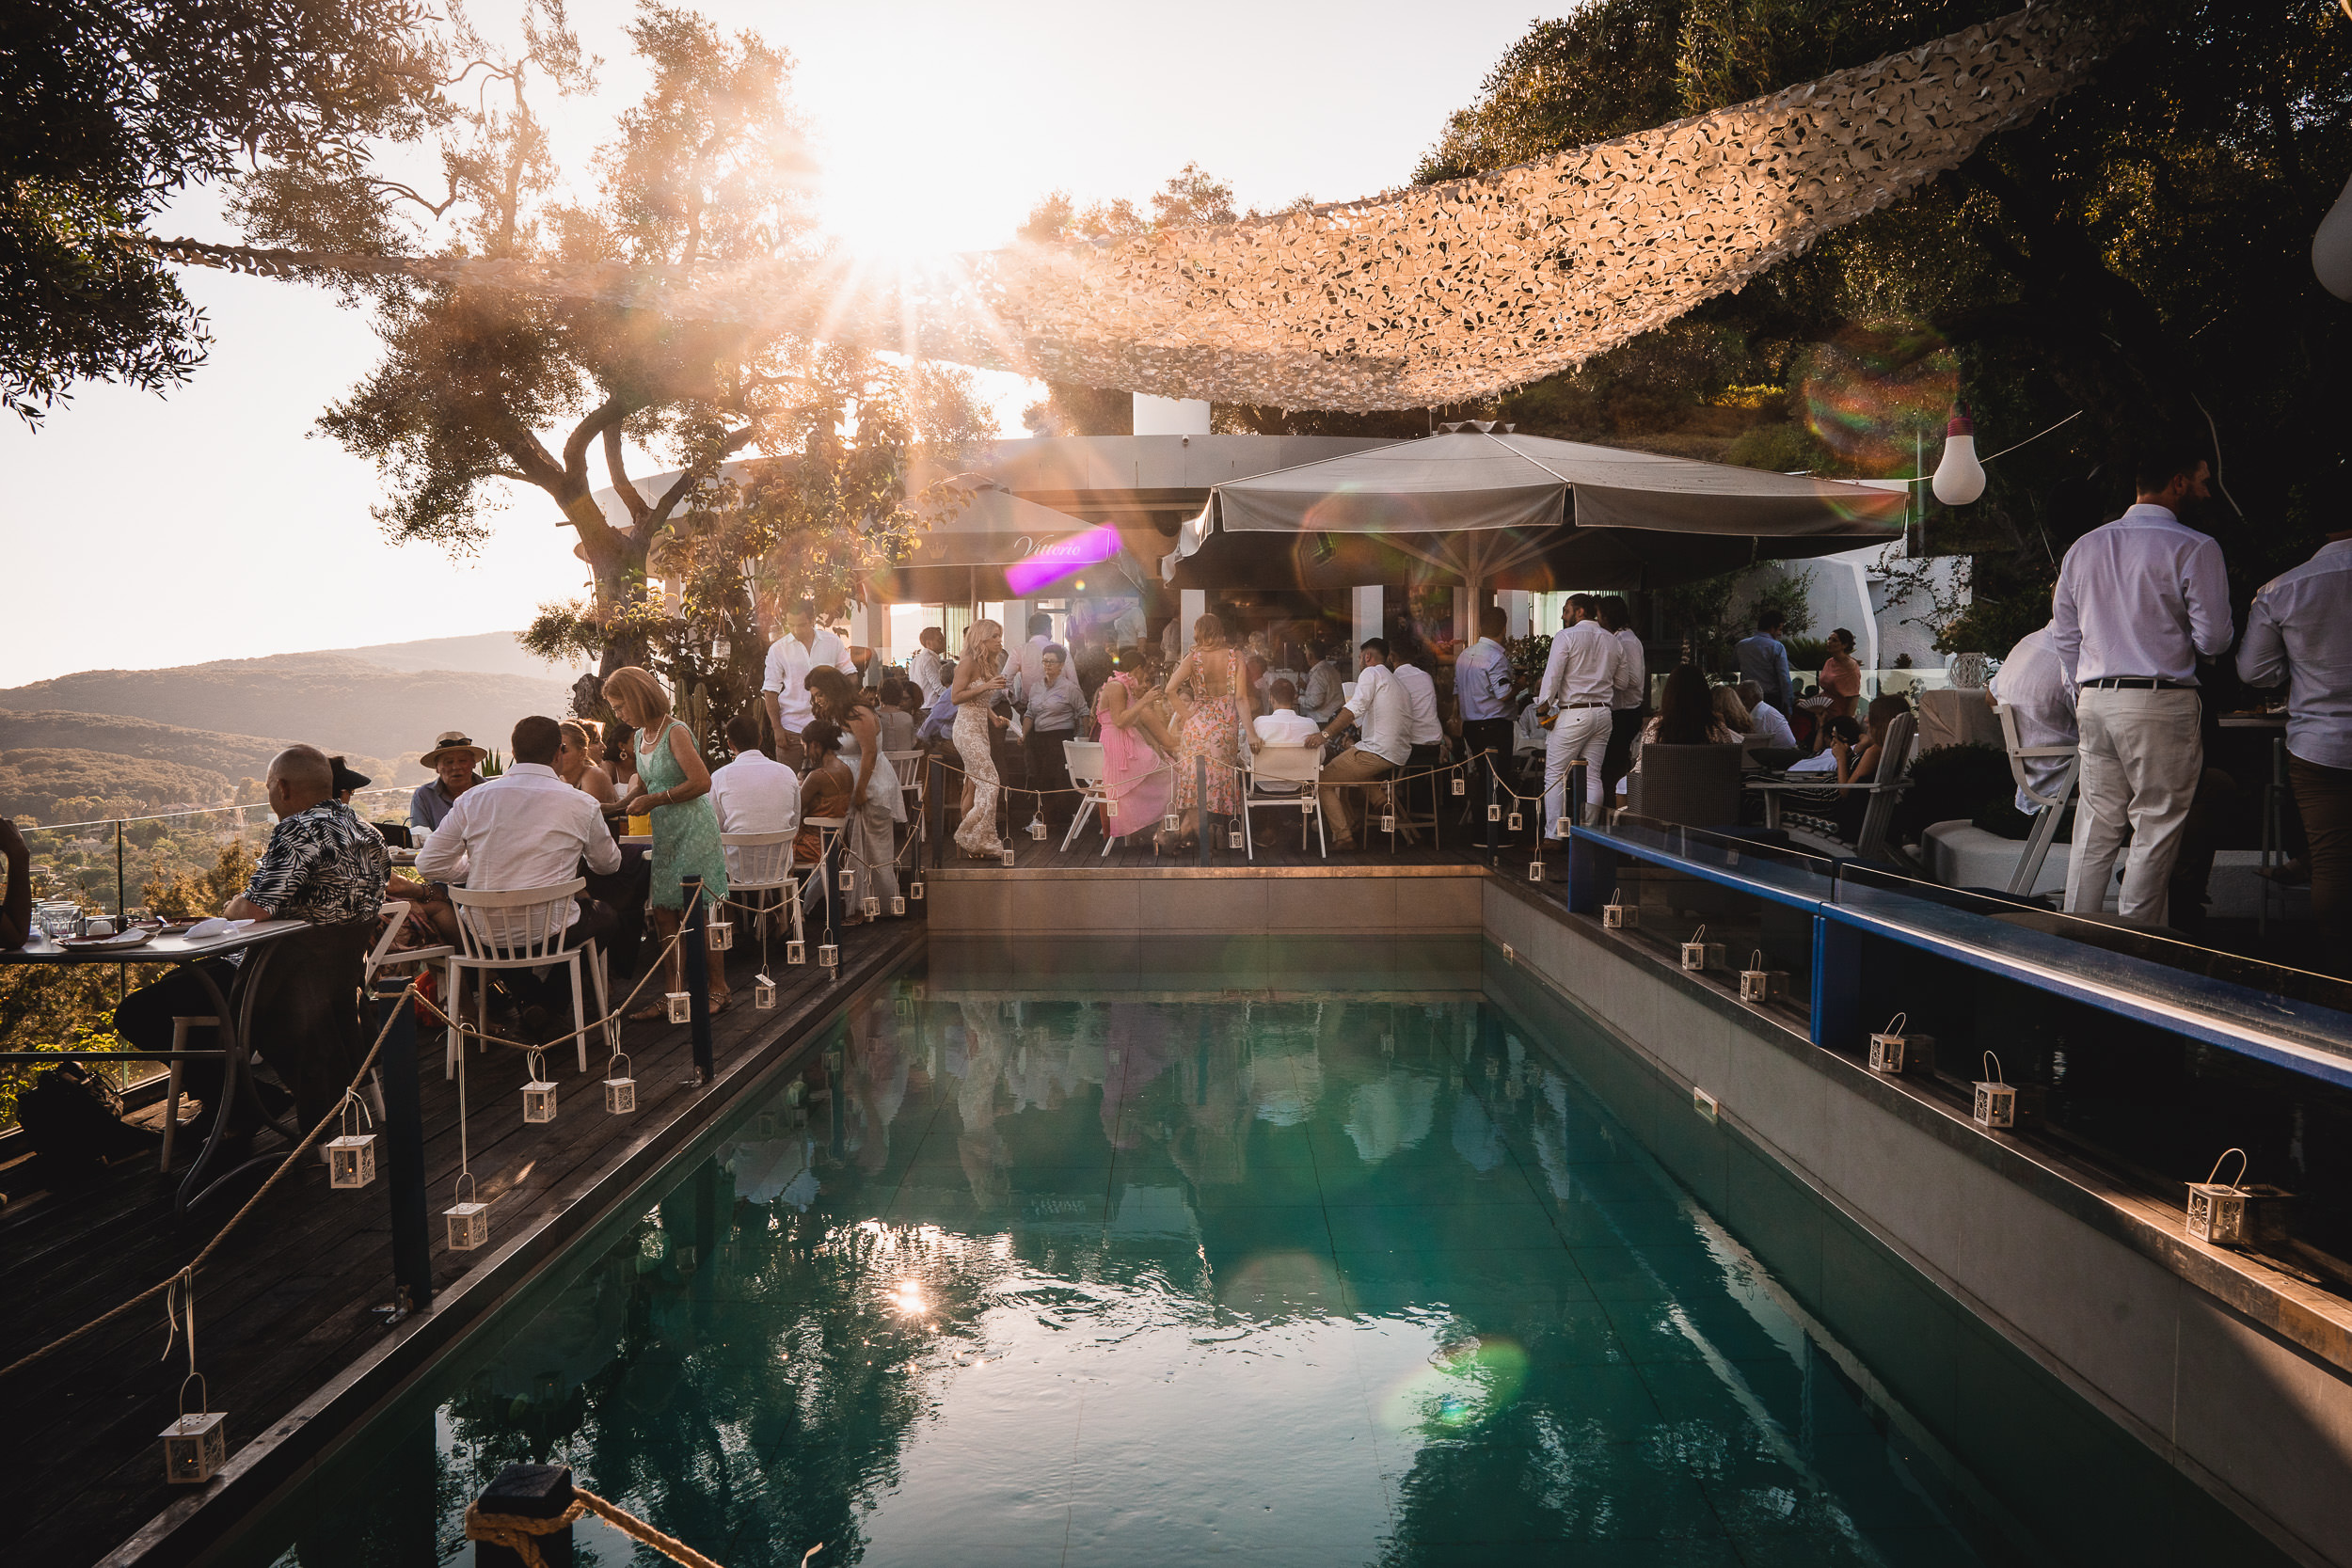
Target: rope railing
[(187, 1271)]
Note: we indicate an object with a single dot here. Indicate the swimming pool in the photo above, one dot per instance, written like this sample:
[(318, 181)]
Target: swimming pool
[(1295, 1255)]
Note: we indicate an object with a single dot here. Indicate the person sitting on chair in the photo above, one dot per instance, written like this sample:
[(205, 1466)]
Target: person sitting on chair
[(324, 867), (16, 911), (755, 793), (454, 760)]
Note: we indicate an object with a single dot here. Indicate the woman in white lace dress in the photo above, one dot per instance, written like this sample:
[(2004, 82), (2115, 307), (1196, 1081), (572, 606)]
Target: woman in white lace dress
[(979, 681)]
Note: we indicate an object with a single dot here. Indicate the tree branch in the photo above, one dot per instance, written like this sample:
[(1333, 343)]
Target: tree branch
[(616, 466)]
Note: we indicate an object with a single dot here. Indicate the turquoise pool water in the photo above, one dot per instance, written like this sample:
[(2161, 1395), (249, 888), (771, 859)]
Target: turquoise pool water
[(1296, 1273)]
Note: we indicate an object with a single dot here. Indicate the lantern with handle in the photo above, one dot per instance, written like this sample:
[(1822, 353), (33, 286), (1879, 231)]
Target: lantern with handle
[(721, 934), (1698, 954), (1461, 786), (828, 955), (468, 1220), (1619, 915), (1037, 826), (1996, 1102), (1897, 1049), (764, 992), (1515, 822), (195, 1445), (796, 952), (872, 908), (2238, 1213), (915, 889), (620, 1089), (1008, 854), (681, 1006), (539, 1094), (351, 1156), (1755, 981), (899, 904), (1494, 811)]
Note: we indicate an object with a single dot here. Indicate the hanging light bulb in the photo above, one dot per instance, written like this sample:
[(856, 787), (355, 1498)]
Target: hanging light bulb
[(1960, 478), (2331, 246)]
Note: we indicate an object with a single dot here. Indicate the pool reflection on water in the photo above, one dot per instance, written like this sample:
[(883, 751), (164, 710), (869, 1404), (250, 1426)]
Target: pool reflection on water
[(1138, 1281)]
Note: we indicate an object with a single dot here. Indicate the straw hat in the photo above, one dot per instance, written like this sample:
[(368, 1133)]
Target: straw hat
[(451, 740)]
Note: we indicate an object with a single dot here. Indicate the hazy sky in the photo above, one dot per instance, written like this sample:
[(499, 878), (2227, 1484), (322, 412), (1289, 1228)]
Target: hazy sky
[(144, 531)]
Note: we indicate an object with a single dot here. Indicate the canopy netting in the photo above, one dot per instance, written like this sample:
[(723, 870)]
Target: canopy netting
[(1434, 295)]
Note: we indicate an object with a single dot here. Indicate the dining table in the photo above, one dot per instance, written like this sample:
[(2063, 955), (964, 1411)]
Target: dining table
[(232, 1013)]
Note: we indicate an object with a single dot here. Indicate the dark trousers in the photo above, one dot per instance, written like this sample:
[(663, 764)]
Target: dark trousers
[(2322, 797), (1491, 735), (553, 990), (1625, 723), (1049, 774), (623, 894)]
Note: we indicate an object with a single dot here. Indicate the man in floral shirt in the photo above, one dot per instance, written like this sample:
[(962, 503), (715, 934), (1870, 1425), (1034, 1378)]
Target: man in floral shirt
[(322, 866)]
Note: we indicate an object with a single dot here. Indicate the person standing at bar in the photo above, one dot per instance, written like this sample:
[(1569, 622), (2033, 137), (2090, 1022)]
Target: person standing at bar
[(1631, 696), (1579, 684), (1482, 685), (1764, 659), (2300, 630), (2139, 601), (804, 646)]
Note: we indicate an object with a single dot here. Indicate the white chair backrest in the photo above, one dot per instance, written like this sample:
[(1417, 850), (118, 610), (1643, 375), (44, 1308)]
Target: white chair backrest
[(1286, 764), (757, 860), (525, 922), (395, 915), (1085, 761), (907, 764)]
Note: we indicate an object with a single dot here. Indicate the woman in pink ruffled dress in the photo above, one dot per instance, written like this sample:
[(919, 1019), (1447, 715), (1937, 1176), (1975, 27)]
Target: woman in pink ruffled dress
[(1135, 773)]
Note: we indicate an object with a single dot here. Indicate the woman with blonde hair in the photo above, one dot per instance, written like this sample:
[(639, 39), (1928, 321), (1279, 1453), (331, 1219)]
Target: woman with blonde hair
[(673, 786), (1217, 704), (979, 681), (575, 764)]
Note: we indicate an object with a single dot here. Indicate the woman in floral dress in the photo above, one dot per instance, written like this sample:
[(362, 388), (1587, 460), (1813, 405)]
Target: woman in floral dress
[(1221, 702)]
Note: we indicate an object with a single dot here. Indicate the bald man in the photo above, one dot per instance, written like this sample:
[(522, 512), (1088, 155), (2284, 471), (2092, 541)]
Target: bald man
[(324, 867)]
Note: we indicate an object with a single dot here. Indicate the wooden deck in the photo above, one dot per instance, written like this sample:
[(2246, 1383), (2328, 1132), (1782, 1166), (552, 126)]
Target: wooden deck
[(287, 1308)]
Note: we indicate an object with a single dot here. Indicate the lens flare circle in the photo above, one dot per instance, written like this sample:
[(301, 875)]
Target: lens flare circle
[(1468, 1381)]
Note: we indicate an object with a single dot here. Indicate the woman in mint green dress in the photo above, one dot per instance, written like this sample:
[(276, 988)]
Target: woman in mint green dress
[(673, 786)]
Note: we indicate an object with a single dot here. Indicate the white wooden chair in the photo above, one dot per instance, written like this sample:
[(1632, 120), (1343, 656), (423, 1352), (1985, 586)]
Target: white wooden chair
[(1084, 758), (762, 863), (909, 767), (523, 928), (829, 832), (2052, 805), (1284, 766)]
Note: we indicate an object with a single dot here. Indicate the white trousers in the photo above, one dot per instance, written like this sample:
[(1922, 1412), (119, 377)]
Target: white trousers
[(1578, 732), (2141, 758)]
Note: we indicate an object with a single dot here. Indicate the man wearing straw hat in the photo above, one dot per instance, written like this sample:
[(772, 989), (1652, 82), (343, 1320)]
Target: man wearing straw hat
[(454, 760)]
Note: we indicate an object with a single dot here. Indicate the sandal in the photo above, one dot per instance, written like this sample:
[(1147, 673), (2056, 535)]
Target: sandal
[(652, 1012)]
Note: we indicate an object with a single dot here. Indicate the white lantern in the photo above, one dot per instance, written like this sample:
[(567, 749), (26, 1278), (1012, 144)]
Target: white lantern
[(796, 952), (1896, 1050), (915, 889), (1515, 822), (1960, 478), (1996, 1103), (1388, 822), (1169, 822), (764, 992), (1494, 811), (195, 1446), (1755, 981), (828, 955), (468, 1221), (351, 1158), (1619, 915), (1558, 827), (620, 1089), (682, 1007), (1008, 854), (1036, 829), (1698, 954), (872, 908), (899, 904), (1461, 786), (721, 935), (719, 650), (539, 1094), (848, 882), (1232, 839), (2238, 1213), (1534, 871)]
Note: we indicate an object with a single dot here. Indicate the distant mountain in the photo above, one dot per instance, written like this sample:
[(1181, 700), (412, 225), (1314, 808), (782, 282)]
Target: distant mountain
[(62, 784), (229, 757), (331, 701), (489, 653)]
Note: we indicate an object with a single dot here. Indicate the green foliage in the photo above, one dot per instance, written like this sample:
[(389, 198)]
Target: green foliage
[(1786, 591), (114, 106), (1699, 615), (66, 784), (1529, 654), (192, 894)]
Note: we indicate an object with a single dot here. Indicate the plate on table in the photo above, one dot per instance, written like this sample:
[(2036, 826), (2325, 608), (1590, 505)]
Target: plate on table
[(120, 940)]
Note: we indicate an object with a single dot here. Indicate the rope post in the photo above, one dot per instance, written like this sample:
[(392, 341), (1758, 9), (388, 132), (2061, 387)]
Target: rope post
[(935, 813), (528, 1492), (1200, 807), (692, 950), (404, 1138)]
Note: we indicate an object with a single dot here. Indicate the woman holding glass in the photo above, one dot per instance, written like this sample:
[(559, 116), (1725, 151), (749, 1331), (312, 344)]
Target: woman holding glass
[(673, 786), (979, 681)]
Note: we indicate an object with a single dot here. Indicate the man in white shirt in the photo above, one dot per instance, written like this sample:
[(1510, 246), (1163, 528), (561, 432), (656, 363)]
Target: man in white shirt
[(1379, 707), (526, 829), (2032, 681), (923, 669), (1324, 682), (1283, 725), (1628, 696), (1768, 727), (2139, 601), (804, 646), (1579, 684), (755, 793), (2301, 630)]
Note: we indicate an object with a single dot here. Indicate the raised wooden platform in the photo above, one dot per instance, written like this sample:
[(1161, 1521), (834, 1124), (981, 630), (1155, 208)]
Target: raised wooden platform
[(287, 1310)]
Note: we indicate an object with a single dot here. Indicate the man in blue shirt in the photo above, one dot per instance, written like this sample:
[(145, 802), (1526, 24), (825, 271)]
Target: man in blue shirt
[(454, 760), (1482, 685), (2300, 630), (1764, 659)]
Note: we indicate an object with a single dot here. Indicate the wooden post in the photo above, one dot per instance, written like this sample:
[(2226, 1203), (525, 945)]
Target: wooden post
[(532, 1492), (935, 809), (404, 1140), (693, 948), (1200, 806)]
